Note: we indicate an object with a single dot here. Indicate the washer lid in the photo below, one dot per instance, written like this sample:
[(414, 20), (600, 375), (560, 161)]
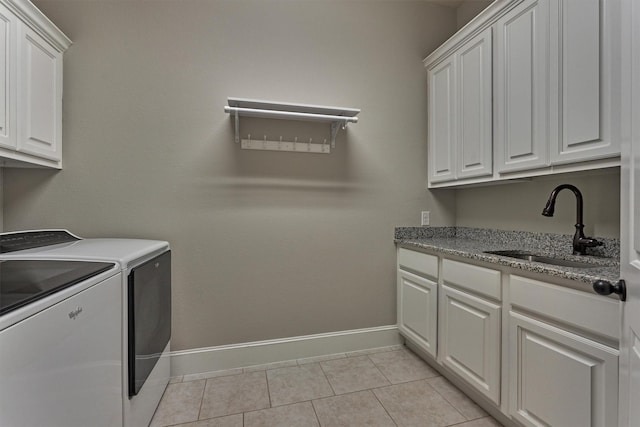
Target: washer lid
[(25, 281)]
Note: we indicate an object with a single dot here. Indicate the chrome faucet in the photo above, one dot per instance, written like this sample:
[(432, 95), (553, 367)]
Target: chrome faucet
[(580, 242)]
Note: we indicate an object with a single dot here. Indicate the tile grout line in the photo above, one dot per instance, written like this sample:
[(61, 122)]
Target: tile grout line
[(202, 399), (475, 419), (383, 407), (327, 378), (378, 368), (266, 378), (156, 410), (315, 412), (447, 400)]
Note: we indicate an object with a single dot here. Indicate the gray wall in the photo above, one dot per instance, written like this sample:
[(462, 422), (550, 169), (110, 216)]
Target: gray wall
[(265, 245), (518, 206), (468, 10)]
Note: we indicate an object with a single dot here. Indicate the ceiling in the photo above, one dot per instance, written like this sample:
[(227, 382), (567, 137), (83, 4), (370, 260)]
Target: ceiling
[(452, 3), (448, 3)]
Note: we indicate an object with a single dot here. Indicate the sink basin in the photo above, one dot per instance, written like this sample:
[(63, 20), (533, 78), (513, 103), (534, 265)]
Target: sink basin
[(544, 259)]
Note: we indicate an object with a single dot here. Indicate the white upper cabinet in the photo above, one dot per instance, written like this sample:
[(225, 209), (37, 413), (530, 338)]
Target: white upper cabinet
[(8, 46), (442, 121), (31, 52), (527, 88), (586, 58), (460, 112), (474, 111), (39, 96), (522, 85)]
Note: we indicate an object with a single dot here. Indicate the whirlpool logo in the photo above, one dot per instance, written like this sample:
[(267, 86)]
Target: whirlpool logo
[(75, 313)]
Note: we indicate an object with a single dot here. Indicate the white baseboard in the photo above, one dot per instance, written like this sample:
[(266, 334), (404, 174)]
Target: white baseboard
[(224, 357)]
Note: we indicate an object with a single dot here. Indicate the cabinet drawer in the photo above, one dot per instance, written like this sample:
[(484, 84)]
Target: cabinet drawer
[(590, 312), (418, 262), (476, 279)]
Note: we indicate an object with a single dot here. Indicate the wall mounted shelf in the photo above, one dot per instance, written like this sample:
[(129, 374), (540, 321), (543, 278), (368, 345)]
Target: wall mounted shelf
[(337, 117)]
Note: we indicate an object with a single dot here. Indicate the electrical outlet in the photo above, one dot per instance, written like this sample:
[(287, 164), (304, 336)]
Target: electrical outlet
[(425, 218)]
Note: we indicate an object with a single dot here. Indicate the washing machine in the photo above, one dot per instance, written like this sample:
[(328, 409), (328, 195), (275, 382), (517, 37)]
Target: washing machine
[(145, 318)]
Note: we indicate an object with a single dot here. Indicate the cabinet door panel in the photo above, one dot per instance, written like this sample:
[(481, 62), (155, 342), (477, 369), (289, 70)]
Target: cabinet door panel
[(580, 71), (470, 340), (418, 310), (522, 86), (560, 379), (442, 121), (40, 96), (7, 78), (586, 52), (474, 95)]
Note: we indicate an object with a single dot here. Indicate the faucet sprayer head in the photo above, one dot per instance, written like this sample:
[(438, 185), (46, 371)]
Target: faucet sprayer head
[(549, 208)]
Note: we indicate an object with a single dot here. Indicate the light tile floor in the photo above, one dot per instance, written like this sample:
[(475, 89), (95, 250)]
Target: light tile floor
[(389, 386)]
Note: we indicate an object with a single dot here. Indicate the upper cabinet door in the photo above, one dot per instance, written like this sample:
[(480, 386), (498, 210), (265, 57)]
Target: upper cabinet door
[(442, 121), (522, 85), (475, 136), (460, 116), (8, 30), (585, 51), (39, 96)]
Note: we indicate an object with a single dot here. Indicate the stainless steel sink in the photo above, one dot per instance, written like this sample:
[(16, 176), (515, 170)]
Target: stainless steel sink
[(544, 259)]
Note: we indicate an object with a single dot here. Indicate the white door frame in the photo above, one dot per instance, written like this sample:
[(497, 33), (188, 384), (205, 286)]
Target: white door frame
[(629, 368)]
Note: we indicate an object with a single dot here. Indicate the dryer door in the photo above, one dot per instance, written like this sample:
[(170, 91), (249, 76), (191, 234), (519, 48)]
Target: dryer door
[(149, 330)]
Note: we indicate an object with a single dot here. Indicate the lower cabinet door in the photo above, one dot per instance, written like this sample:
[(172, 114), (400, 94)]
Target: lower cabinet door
[(558, 378), (418, 310), (470, 340)]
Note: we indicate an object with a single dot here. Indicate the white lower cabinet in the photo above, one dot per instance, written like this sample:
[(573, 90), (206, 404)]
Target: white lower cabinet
[(470, 340), (418, 310), (558, 378), (537, 353), (417, 294)]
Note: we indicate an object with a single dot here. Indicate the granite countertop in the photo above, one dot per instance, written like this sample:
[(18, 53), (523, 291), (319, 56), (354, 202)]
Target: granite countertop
[(472, 243)]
